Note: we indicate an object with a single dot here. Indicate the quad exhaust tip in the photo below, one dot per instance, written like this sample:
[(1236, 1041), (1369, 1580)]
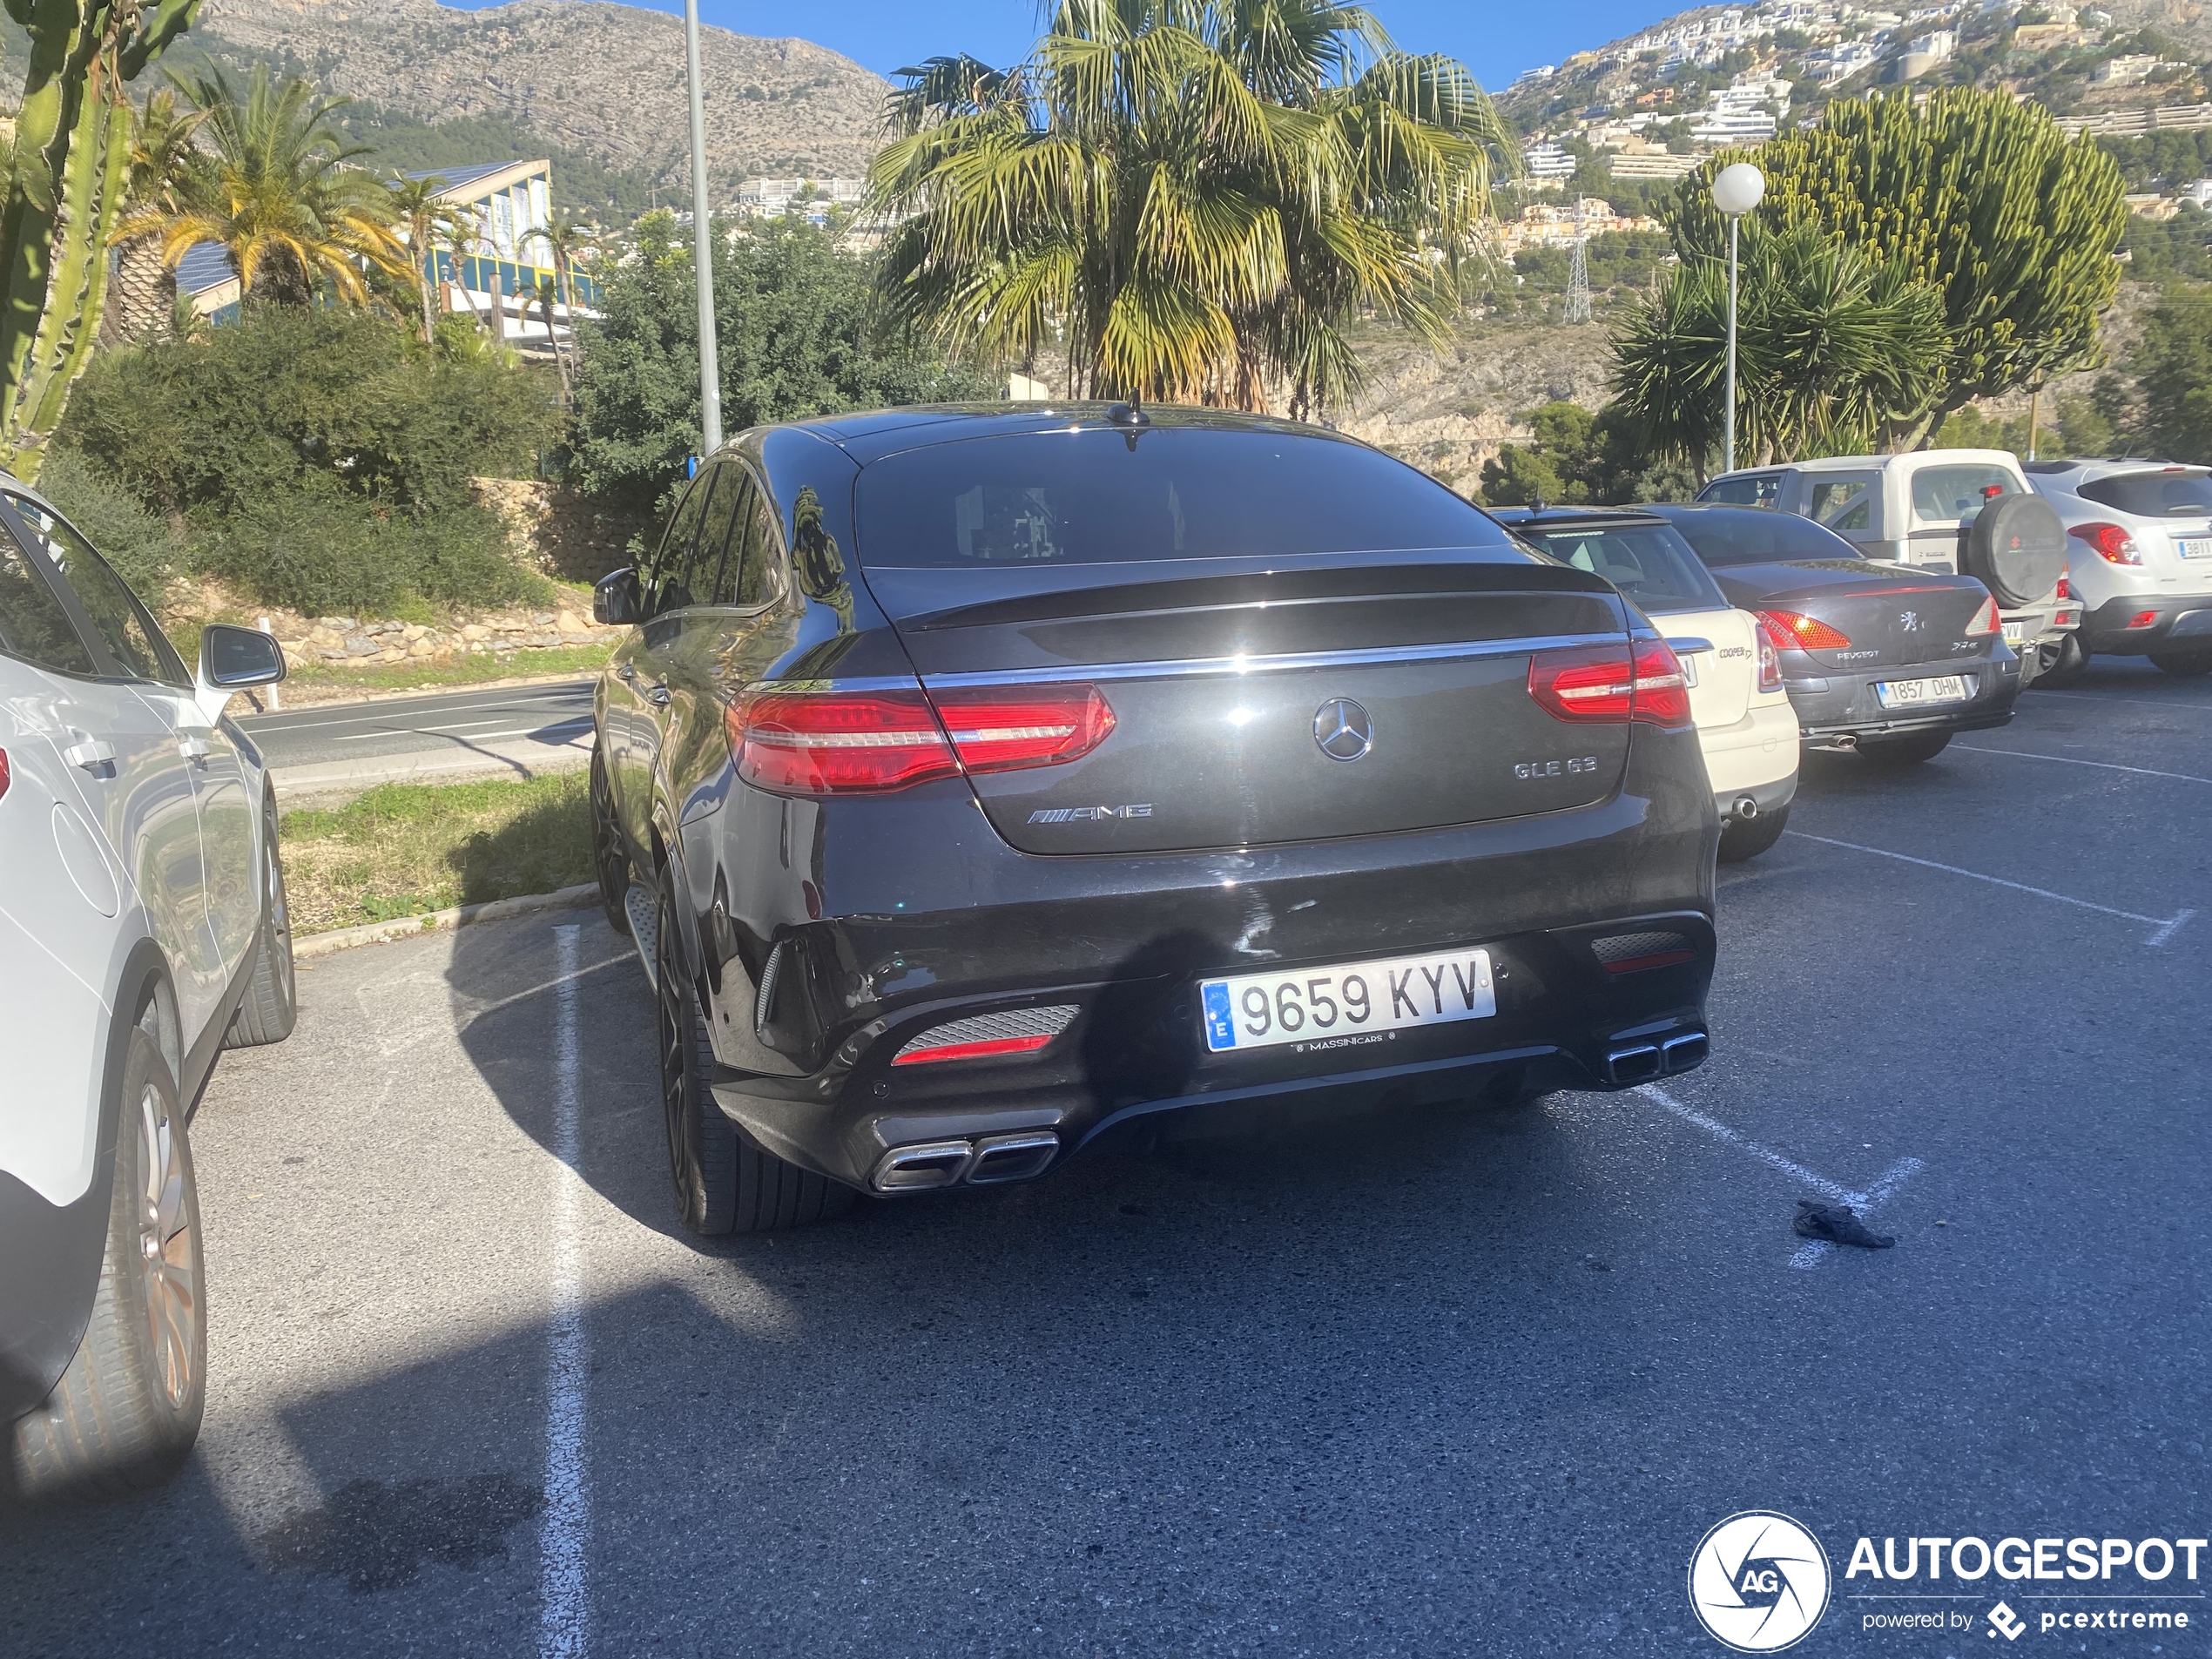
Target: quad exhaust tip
[(991, 1161), (1641, 1062)]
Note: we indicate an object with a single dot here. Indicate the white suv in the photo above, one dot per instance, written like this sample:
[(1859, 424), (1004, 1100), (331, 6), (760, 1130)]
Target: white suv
[(1920, 508), (141, 929), (2142, 557)]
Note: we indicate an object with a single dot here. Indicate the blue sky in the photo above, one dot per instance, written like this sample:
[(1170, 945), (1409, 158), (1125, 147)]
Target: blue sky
[(884, 34)]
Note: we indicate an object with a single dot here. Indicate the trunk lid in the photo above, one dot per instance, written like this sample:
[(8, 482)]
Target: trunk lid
[(1227, 680), (1721, 678), (1890, 617)]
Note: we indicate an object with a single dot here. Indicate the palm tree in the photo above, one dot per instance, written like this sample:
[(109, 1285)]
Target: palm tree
[(278, 195), (142, 300), (546, 295), (566, 240), (1201, 193), (1832, 353), (424, 220)]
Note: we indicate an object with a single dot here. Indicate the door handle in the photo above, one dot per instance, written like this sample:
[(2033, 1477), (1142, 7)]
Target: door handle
[(193, 748), (92, 754), (657, 695), (626, 670)]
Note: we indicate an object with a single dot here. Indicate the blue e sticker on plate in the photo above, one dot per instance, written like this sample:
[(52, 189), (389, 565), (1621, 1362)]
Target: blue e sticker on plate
[(1221, 1023)]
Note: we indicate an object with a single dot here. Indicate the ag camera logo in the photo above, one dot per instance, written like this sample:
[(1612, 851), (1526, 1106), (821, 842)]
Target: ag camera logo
[(1759, 1581)]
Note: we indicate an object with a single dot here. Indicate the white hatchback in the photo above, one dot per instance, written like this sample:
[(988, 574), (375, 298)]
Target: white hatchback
[(141, 929), (1746, 725), (2141, 564)]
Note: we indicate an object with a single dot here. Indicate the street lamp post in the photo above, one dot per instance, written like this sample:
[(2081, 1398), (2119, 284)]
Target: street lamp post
[(702, 247), (1736, 190)]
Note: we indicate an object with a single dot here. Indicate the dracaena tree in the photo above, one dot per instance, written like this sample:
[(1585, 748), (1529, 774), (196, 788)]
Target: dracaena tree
[(64, 194), (1190, 199)]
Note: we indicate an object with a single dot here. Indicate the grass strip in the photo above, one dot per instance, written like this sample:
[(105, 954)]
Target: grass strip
[(432, 672), (406, 849)]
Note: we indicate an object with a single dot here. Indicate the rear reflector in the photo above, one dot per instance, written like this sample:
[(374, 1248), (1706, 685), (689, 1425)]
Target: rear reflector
[(2143, 619), (916, 1056), (1794, 631), (842, 742), (982, 1036), (1610, 685)]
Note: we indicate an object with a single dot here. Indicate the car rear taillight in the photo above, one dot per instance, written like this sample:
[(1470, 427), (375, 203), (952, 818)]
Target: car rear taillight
[(1796, 632), (1986, 621), (4, 772), (2113, 543), (1770, 662), (1608, 684), (854, 743), (2066, 587)]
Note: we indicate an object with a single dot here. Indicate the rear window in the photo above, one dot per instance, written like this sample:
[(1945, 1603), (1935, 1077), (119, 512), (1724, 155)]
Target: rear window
[(1650, 562), (1104, 497), (1954, 495), (2176, 494), (1755, 489), (1722, 539)]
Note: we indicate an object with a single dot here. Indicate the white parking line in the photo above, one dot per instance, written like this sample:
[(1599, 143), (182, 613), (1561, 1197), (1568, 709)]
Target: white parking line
[(2069, 760), (564, 1579), (2164, 927), (1811, 1254)]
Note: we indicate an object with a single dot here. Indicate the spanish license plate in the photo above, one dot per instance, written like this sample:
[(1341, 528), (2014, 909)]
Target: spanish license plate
[(1907, 694), (2016, 631), (2193, 547), (1321, 1008)]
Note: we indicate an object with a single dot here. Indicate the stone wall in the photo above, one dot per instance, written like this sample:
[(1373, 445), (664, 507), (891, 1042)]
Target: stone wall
[(360, 642)]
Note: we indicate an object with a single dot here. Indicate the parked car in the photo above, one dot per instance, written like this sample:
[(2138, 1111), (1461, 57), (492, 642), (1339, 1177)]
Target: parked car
[(2142, 557), (1931, 509), (141, 929), (975, 781), (1746, 726), (1886, 662)]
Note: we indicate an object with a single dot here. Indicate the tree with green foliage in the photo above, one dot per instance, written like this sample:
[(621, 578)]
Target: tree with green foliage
[(1577, 456), (2168, 410), (1981, 198), (65, 192), (1832, 351), (279, 195), (1190, 198), (796, 333), (321, 458), (426, 222)]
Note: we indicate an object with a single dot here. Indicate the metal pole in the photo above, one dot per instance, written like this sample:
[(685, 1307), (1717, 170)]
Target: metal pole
[(702, 247), (1729, 456)]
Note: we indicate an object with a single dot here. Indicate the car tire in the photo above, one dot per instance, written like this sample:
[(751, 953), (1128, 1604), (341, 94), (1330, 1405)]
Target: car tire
[(270, 1006), (609, 857), (724, 1183), (1906, 751), (1746, 838), (2183, 664), (126, 1412), (2069, 664)]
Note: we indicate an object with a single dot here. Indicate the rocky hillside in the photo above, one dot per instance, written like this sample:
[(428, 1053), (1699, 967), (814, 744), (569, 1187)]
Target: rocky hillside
[(602, 79)]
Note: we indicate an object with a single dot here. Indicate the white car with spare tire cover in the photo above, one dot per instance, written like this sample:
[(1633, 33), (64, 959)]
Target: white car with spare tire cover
[(141, 930), (1954, 510), (2142, 560)]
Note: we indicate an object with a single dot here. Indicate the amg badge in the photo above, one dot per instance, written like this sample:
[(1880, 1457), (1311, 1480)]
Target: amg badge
[(1086, 814)]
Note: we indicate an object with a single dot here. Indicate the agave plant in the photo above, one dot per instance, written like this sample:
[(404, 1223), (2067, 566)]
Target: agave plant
[(1191, 199)]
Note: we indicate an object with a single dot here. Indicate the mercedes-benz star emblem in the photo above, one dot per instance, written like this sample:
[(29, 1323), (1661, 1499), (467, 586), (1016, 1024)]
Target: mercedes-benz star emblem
[(1342, 729)]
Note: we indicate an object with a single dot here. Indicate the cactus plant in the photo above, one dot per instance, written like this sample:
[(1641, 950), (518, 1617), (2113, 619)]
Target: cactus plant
[(71, 166)]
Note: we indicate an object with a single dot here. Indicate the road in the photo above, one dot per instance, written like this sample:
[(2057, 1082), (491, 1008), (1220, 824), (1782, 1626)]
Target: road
[(1457, 1382), (489, 729)]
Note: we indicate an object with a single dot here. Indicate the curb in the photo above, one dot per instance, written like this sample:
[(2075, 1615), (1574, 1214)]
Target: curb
[(378, 933)]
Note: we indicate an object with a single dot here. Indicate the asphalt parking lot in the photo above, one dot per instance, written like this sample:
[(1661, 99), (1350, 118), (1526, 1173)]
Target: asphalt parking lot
[(1466, 1382)]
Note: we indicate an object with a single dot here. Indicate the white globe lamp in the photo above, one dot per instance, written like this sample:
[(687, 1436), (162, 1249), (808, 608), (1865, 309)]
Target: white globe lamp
[(1737, 188)]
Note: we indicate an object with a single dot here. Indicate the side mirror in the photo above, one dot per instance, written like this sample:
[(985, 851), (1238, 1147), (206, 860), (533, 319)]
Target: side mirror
[(616, 601), (231, 659)]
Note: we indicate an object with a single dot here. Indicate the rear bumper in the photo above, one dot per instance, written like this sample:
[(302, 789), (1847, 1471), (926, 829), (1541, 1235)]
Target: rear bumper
[(50, 1270), (1832, 705), (2173, 618), (1755, 756), (912, 913)]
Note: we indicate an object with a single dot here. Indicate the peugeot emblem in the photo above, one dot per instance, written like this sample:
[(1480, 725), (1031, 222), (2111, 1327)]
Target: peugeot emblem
[(1342, 729)]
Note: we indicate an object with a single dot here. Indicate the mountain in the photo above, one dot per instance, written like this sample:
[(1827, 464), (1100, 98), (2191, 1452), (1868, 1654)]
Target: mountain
[(592, 78)]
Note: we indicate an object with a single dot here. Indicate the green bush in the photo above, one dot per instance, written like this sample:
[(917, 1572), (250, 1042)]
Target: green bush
[(319, 459), (143, 549)]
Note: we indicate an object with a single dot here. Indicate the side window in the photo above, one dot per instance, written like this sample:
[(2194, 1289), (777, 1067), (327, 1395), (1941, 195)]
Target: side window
[(757, 580), (1755, 489), (722, 543), (666, 583), (1844, 505), (129, 634), (33, 626)]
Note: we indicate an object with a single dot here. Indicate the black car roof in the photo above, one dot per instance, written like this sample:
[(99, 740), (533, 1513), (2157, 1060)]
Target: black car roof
[(1521, 518), (870, 435)]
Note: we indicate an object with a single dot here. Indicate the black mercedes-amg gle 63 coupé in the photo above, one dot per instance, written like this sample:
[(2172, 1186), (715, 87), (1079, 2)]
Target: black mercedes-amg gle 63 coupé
[(976, 780)]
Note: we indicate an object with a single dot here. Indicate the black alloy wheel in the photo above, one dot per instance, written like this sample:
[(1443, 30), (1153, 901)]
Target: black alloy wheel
[(609, 858)]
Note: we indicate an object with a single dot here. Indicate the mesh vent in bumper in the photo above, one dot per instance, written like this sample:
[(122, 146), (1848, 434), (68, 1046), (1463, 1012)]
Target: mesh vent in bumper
[(1013, 1026), (1625, 953)]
